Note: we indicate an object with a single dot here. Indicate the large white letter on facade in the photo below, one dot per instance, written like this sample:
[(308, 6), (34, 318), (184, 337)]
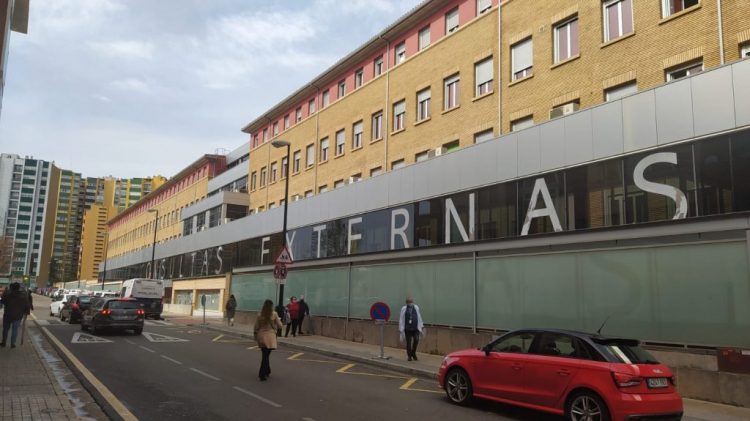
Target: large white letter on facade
[(671, 192), (318, 229), (400, 231), (263, 249), (351, 236), (290, 243), (548, 210), (219, 252), (452, 214)]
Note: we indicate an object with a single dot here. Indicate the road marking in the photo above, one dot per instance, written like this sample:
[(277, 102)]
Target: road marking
[(157, 323), (205, 374), (129, 341), (260, 398), (155, 337), (146, 349), (171, 359), (408, 383), (411, 381), (253, 347), (296, 357), (85, 338), (217, 338), (115, 403), (345, 370), (42, 322), (230, 339)]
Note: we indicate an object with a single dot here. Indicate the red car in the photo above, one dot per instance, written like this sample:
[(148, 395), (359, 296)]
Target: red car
[(582, 376)]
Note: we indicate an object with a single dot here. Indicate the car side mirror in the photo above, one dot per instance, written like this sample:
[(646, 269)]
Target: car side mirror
[(487, 349)]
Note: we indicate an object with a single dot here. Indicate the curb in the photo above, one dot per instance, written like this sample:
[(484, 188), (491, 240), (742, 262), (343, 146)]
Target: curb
[(108, 409), (344, 355)]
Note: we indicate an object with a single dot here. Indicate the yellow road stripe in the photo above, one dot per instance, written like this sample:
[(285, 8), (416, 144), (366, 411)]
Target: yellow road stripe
[(294, 357), (217, 338), (345, 368), (118, 406), (408, 383)]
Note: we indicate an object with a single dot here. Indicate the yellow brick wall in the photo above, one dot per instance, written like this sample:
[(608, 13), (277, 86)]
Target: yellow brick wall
[(654, 44), (736, 21)]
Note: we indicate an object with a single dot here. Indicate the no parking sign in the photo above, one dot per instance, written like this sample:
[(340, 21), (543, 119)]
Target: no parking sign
[(380, 311)]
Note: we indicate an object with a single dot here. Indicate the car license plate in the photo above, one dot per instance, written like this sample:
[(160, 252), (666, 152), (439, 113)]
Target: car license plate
[(657, 382)]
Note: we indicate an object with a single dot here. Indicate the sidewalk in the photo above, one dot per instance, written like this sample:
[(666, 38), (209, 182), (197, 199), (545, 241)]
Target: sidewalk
[(427, 365), (36, 385)]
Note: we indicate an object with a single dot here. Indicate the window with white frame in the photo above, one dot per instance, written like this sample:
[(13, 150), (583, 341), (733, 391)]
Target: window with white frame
[(286, 121), (422, 156), (356, 177), (377, 66), (311, 106), (357, 133), (399, 163), (359, 78), (275, 128), (342, 88), (451, 21), (298, 114), (263, 173), (340, 141), (253, 180), (297, 160), (684, 71), (620, 91), (274, 171), (310, 155), (483, 6), (451, 92), (745, 51), (618, 18), (284, 167), (521, 58), (324, 149), (338, 184), (483, 77), (326, 98), (424, 97), (376, 171), (399, 115), (521, 123), (377, 125), (483, 136), (670, 7), (566, 40), (424, 38), (400, 53)]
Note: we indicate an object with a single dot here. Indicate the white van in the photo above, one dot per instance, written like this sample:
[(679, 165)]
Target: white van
[(149, 292)]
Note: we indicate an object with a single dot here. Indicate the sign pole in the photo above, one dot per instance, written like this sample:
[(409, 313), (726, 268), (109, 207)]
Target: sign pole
[(382, 338), (203, 304)]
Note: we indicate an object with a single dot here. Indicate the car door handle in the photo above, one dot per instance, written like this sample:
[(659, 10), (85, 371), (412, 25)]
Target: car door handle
[(517, 366), (563, 372)]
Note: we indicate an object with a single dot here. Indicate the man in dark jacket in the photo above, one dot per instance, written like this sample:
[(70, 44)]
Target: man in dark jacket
[(304, 310), (16, 305)]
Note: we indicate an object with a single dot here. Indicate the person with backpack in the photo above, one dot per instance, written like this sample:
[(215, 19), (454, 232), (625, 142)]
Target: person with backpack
[(411, 327), (17, 306)]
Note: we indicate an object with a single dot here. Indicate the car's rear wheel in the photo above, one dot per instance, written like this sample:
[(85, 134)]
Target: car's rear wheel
[(458, 386), (586, 406), (138, 330), (83, 326)]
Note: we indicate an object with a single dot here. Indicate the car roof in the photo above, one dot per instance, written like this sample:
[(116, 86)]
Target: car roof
[(576, 333)]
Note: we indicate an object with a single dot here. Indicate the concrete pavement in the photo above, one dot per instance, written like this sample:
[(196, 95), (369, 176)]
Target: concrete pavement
[(427, 364)]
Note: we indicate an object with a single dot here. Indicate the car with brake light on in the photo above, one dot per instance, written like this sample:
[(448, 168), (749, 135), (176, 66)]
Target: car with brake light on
[(74, 308), (113, 313), (58, 302), (579, 375)]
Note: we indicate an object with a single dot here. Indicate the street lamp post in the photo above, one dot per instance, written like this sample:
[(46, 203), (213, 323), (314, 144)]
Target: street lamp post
[(280, 144), (153, 244)]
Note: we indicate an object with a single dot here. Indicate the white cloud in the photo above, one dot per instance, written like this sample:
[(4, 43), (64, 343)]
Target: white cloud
[(67, 17), (132, 84), (124, 50), (102, 98)]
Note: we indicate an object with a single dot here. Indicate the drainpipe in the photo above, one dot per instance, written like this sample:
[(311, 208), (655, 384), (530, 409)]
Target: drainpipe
[(387, 64), (721, 32)]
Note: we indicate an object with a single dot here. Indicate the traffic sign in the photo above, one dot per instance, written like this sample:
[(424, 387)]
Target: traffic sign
[(380, 311), (203, 300), (284, 257), (280, 271)]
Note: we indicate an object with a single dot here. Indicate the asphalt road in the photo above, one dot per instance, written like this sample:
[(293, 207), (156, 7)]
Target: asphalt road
[(176, 372)]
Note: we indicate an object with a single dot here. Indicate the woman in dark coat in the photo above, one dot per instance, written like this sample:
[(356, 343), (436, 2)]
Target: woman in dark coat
[(230, 308)]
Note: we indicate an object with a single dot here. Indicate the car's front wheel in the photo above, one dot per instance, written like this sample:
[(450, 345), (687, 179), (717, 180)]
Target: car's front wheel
[(458, 386), (586, 406)]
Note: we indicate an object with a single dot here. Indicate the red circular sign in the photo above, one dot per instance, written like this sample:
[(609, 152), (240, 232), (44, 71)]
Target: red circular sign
[(380, 311)]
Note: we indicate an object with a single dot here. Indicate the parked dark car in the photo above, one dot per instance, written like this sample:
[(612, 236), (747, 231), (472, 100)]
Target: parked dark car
[(115, 313), (74, 308), (579, 375)]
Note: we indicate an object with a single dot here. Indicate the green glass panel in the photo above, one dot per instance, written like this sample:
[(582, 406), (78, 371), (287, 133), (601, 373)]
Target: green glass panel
[(326, 291), (252, 290)]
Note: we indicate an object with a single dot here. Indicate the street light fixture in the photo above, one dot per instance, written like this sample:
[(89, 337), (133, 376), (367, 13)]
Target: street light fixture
[(280, 144), (153, 244)]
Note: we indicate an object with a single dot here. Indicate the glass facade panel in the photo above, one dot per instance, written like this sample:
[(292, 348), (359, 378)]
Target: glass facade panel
[(526, 191), (595, 195), (740, 144), (714, 177)]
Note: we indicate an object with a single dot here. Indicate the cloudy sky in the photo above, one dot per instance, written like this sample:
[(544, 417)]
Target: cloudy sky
[(133, 88)]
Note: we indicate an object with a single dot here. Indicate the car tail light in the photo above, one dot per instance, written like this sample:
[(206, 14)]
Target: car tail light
[(105, 312), (626, 380), (140, 312)]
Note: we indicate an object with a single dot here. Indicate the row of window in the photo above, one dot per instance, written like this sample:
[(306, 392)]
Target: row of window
[(424, 39), (617, 21)]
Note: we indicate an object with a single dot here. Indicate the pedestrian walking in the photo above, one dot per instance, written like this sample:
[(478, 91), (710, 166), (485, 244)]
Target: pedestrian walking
[(411, 327), (293, 309), (230, 307), (304, 310), (264, 331), (16, 306)]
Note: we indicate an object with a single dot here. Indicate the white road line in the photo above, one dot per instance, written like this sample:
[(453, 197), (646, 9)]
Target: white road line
[(205, 374), (129, 341), (171, 359), (260, 398), (146, 349)]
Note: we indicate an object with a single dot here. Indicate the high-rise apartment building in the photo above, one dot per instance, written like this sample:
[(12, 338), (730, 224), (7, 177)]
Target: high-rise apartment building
[(68, 222), (28, 198)]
